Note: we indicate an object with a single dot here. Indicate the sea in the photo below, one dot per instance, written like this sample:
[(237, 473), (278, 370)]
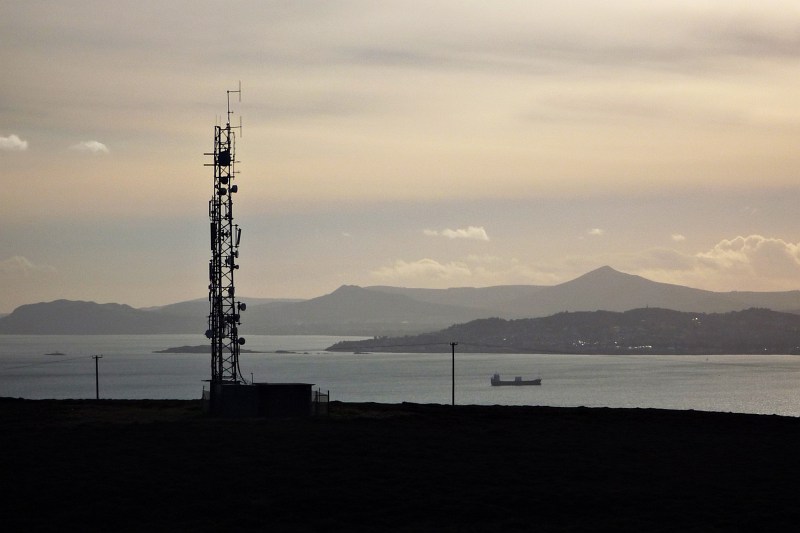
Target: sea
[(130, 369)]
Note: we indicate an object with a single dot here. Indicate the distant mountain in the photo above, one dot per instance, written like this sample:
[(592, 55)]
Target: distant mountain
[(66, 317), (601, 289), (194, 313), (639, 331), (352, 310), (382, 310), (493, 299), (86, 318), (199, 307), (610, 290)]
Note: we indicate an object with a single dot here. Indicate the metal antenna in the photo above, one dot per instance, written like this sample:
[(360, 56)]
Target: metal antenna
[(224, 310), (239, 92)]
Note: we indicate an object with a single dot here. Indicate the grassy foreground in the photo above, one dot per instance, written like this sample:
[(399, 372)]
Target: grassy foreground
[(154, 465)]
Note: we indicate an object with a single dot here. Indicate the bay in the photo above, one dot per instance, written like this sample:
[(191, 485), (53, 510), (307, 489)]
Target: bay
[(764, 384)]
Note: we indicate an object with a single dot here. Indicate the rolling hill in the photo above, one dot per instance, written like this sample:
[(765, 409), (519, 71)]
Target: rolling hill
[(352, 310), (66, 317), (382, 310)]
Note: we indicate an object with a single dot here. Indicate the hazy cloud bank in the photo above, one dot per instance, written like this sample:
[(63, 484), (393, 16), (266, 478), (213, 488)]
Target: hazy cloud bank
[(587, 110), (744, 263)]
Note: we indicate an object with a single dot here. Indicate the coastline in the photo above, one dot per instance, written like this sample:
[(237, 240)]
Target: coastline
[(132, 465)]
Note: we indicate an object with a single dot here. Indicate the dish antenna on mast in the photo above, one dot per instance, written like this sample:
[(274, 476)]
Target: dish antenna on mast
[(224, 316)]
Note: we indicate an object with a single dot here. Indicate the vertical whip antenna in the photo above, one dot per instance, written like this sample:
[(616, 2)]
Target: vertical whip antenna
[(239, 92)]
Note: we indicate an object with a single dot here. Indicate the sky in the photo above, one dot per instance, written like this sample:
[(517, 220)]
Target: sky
[(419, 144)]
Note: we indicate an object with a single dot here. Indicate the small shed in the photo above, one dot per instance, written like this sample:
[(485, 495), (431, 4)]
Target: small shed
[(279, 400), (268, 400)]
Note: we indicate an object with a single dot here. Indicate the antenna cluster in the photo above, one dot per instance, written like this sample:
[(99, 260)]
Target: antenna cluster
[(224, 316)]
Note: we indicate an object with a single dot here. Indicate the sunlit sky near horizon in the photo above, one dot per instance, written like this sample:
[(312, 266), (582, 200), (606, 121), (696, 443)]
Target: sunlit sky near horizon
[(419, 144)]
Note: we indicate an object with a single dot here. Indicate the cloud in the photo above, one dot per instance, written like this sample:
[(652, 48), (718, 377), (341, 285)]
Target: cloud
[(19, 266), (423, 269), (743, 263), (474, 271), (22, 281), (477, 233), (677, 237), (13, 143), (596, 232), (552, 37), (94, 147), (757, 256)]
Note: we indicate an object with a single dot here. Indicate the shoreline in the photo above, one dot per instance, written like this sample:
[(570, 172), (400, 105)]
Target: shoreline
[(132, 465)]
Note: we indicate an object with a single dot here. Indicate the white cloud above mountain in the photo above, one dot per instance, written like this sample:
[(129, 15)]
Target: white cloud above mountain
[(755, 255), (752, 262), (23, 281), (477, 233), (473, 270), (22, 267), (94, 147), (422, 269)]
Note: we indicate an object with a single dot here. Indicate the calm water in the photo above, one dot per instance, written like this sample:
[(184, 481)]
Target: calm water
[(129, 370)]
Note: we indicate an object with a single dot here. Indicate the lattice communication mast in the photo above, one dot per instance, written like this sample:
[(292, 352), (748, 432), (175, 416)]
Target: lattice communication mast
[(224, 309)]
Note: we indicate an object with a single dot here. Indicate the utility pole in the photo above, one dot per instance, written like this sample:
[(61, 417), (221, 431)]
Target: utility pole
[(453, 352), (96, 376)]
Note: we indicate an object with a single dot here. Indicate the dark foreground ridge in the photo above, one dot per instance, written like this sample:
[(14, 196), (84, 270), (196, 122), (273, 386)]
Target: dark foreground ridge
[(156, 465)]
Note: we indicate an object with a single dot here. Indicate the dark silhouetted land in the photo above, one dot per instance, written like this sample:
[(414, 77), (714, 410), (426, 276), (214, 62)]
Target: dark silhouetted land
[(639, 331), (164, 466)]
